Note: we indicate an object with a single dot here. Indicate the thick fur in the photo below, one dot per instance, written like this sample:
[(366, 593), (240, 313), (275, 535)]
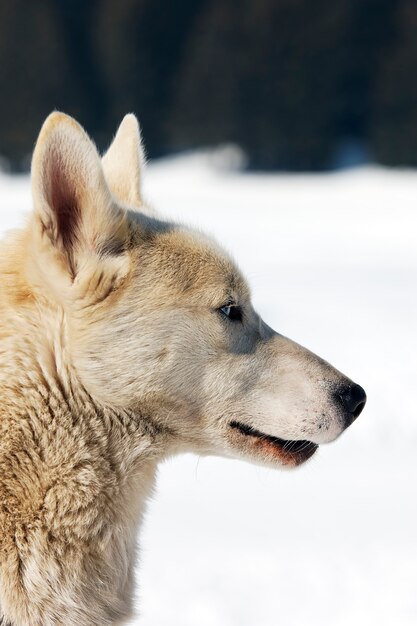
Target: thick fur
[(115, 353)]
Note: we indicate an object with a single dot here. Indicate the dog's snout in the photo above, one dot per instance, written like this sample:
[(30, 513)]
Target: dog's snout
[(353, 399)]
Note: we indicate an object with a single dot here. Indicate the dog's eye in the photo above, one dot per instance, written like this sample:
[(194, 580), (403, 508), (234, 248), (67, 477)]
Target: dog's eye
[(232, 311)]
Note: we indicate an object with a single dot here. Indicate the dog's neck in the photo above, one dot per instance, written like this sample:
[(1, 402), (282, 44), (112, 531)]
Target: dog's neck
[(39, 383), (87, 468)]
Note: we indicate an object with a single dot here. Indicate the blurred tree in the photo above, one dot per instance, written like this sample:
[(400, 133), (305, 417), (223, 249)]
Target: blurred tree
[(291, 81), (139, 44), (393, 125), (286, 79), (368, 31), (88, 95), (33, 70)]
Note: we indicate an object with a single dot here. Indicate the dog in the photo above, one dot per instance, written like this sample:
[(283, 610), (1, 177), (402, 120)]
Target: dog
[(126, 338)]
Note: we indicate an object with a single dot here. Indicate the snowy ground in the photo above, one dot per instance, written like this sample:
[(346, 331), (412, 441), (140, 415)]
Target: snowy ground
[(332, 261)]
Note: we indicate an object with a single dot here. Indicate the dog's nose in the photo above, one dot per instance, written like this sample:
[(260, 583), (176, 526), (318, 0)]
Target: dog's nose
[(353, 399)]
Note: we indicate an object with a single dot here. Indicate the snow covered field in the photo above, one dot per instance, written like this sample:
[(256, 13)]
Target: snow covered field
[(332, 261)]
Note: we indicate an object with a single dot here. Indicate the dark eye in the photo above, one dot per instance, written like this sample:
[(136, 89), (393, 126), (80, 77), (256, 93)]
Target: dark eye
[(232, 311)]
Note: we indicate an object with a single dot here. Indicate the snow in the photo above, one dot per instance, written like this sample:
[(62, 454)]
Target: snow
[(332, 261)]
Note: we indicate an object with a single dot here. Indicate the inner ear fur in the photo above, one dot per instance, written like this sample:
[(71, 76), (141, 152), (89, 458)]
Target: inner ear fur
[(74, 211)]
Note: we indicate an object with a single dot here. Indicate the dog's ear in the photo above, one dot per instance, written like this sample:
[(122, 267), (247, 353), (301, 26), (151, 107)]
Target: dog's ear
[(75, 215), (124, 162)]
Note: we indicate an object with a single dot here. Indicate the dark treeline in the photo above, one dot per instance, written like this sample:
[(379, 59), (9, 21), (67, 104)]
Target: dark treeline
[(291, 81)]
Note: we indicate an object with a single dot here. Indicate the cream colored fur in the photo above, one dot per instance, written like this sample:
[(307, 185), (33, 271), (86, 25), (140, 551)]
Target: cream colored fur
[(114, 353)]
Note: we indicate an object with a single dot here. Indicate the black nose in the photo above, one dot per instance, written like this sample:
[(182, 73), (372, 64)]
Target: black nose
[(353, 399)]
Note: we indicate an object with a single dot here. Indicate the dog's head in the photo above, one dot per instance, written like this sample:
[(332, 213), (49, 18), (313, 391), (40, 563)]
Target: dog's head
[(158, 320)]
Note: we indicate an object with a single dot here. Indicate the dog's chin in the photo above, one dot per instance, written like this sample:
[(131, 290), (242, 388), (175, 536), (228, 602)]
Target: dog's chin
[(269, 449)]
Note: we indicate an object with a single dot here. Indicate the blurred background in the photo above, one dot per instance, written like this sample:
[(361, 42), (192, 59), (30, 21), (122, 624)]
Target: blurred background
[(288, 130), (298, 85)]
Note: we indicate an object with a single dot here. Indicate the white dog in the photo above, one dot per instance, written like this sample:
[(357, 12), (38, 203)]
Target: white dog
[(123, 339)]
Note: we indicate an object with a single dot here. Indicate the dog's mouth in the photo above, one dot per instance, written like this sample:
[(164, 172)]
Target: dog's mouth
[(290, 452)]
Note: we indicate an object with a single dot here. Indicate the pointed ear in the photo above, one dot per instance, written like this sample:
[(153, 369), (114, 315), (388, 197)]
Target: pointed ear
[(124, 162), (74, 211)]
